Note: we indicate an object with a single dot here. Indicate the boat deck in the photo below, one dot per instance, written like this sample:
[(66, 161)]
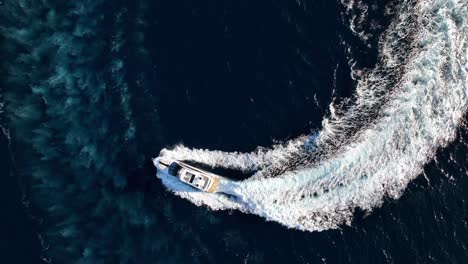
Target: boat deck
[(164, 166), (214, 185)]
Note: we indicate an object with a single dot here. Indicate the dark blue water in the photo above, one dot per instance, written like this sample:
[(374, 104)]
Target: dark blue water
[(94, 90)]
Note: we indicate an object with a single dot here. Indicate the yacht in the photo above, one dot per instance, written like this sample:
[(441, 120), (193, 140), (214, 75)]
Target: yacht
[(195, 177)]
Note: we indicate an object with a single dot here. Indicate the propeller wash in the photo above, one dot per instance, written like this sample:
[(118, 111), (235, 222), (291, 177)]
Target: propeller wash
[(403, 110)]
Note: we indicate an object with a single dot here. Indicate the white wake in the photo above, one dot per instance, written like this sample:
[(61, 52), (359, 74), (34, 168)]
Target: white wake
[(420, 113)]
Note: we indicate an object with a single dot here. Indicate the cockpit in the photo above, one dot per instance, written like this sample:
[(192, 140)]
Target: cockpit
[(198, 181)]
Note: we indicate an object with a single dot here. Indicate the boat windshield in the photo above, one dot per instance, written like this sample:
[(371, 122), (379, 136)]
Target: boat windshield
[(174, 168)]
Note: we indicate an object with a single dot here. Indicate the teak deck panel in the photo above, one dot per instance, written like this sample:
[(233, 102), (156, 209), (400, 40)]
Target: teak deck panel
[(214, 185)]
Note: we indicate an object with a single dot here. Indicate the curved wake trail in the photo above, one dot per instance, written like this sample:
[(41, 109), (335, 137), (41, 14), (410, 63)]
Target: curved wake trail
[(414, 117)]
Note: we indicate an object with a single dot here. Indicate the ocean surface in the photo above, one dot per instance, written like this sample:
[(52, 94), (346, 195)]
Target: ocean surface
[(341, 124)]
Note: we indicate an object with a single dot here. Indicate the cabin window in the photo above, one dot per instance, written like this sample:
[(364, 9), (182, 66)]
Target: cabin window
[(190, 176)]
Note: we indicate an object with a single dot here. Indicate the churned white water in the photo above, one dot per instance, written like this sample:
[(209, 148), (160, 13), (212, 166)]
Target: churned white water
[(419, 114)]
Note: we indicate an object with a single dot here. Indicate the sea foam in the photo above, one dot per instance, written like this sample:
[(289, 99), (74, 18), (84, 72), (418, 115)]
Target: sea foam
[(416, 96)]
